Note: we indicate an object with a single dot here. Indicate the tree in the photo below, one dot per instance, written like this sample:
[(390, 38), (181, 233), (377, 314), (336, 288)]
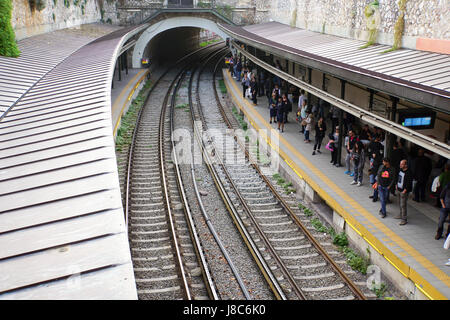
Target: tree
[(8, 45)]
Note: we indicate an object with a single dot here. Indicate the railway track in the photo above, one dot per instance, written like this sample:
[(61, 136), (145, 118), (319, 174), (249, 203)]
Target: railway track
[(167, 255), (296, 264)]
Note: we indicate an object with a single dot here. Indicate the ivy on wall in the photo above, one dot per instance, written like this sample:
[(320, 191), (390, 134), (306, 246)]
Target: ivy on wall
[(399, 26), (8, 45), (372, 13)]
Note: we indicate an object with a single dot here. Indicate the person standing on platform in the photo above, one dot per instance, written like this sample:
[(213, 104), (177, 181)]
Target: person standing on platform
[(359, 159), (238, 70), (385, 181), (280, 114), (309, 125), (320, 128), (245, 83), (254, 90), (422, 170), (443, 179), (277, 91), (303, 115), (334, 143), (352, 139), (445, 210), (397, 155), (376, 151), (404, 187), (300, 101), (273, 108)]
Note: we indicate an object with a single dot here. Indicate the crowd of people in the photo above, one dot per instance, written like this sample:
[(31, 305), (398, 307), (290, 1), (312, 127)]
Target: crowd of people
[(402, 174)]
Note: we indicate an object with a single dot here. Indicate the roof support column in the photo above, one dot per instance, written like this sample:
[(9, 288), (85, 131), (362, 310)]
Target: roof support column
[(390, 137), (118, 68), (309, 81), (341, 125), (372, 92)]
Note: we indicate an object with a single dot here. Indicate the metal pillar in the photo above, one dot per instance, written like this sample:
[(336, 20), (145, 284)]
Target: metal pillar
[(341, 125), (390, 137), (371, 99), (118, 67), (309, 82)]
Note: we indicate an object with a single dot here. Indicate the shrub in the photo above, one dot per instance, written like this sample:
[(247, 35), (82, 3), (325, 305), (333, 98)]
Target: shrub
[(8, 45)]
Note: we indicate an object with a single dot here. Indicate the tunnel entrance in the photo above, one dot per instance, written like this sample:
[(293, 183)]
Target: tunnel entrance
[(171, 38)]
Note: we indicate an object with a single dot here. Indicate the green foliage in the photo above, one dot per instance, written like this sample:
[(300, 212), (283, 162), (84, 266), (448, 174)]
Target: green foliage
[(398, 27), (67, 3), (380, 290), (128, 121), (201, 4), (8, 45), (355, 261), (225, 10), (55, 2), (369, 12), (340, 239), (239, 118), (222, 86)]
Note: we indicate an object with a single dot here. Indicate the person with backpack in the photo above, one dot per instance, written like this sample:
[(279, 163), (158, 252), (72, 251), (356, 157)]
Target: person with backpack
[(385, 181)]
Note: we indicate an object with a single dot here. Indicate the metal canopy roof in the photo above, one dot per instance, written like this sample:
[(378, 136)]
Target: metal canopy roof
[(419, 76), (62, 228), (39, 55)]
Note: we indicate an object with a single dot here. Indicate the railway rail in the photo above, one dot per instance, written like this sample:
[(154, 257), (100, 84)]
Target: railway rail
[(302, 269), (166, 253)]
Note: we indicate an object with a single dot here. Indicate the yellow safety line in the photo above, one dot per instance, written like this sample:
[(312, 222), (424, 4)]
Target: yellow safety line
[(128, 98), (423, 285)]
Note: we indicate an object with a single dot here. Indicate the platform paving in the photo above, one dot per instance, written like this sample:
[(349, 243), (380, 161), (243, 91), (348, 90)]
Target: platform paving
[(412, 247)]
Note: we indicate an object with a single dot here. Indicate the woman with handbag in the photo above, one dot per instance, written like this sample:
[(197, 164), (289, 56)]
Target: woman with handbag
[(332, 145)]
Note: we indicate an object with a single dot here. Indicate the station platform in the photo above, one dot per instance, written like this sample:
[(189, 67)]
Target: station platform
[(410, 249), (124, 92)]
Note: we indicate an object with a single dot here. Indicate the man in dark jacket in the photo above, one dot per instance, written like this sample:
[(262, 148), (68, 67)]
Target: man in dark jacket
[(422, 170), (385, 181), (404, 187), (445, 210), (397, 155)]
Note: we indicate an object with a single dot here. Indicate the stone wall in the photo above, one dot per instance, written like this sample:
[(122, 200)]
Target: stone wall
[(55, 15), (423, 18)]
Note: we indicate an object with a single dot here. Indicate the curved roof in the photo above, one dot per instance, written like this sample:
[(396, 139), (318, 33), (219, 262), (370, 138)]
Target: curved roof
[(419, 76), (62, 229)]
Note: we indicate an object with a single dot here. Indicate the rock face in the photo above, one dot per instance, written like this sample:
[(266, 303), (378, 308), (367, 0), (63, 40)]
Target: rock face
[(423, 18), (56, 14)]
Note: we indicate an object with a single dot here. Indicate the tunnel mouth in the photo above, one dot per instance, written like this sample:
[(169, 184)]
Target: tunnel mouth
[(170, 45)]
